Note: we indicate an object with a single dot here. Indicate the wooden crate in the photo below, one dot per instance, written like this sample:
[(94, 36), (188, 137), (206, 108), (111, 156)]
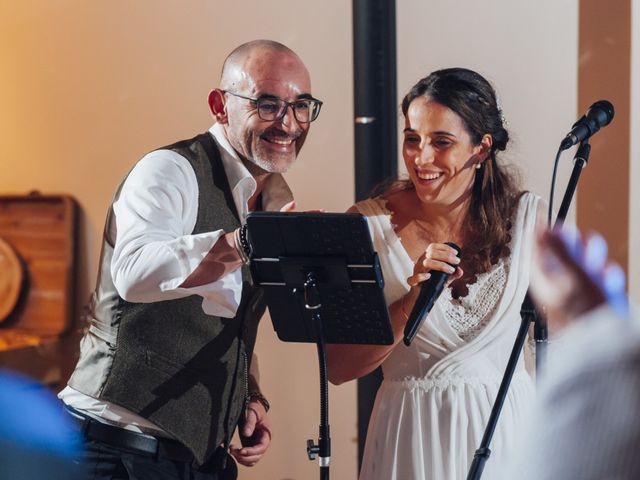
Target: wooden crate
[(42, 230)]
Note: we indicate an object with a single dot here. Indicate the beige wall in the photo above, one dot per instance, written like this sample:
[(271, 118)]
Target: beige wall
[(526, 49), (88, 87)]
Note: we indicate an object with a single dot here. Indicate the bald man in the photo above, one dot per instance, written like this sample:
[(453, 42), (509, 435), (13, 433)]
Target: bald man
[(166, 370)]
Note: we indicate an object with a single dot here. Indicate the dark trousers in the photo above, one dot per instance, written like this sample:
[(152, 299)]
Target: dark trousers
[(104, 462)]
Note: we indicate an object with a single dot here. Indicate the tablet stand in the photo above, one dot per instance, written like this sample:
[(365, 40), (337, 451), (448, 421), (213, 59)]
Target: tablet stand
[(323, 284)]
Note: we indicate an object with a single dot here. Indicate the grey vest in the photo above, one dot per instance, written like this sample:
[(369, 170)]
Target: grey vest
[(182, 369)]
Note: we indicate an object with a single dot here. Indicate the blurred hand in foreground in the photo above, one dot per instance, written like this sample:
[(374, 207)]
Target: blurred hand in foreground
[(571, 276)]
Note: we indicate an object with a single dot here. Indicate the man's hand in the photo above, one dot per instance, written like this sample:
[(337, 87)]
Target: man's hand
[(289, 207), (255, 435)]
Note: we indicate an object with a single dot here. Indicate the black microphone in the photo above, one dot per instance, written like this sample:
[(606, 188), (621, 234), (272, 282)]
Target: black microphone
[(430, 290), (599, 115)]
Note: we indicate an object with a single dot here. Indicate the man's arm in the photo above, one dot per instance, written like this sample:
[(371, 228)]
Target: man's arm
[(220, 261), (155, 255)]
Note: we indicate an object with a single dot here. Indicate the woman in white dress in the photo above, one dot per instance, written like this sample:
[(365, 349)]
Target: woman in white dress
[(436, 397)]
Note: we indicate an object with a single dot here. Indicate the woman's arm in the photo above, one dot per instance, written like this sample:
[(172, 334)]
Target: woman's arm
[(347, 362)]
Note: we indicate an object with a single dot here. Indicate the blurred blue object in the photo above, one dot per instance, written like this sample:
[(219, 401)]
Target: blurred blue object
[(591, 255), (37, 439)]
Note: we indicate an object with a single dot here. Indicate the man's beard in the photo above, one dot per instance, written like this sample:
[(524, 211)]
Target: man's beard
[(275, 162), (271, 165)]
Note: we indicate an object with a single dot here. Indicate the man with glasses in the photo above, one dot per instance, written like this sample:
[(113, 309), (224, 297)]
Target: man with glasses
[(166, 370)]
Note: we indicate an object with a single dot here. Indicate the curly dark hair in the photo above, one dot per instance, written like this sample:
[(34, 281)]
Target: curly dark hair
[(495, 192)]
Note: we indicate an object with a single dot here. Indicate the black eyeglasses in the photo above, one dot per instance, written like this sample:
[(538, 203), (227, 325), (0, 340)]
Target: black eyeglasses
[(273, 109)]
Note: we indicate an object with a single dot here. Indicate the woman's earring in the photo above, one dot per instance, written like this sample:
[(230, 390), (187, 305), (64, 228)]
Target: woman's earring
[(478, 166)]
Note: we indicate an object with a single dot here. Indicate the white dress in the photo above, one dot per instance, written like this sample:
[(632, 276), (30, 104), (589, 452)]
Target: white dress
[(435, 400)]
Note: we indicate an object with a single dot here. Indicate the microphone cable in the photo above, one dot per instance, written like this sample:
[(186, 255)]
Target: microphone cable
[(553, 186)]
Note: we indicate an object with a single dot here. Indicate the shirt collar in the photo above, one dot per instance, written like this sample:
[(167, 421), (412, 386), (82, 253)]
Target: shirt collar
[(276, 192)]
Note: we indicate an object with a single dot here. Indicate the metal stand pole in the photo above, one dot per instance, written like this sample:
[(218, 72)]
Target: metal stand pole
[(323, 448), (540, 332)]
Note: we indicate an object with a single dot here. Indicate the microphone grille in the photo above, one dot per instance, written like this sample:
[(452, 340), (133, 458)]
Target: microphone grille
[(603, 110)]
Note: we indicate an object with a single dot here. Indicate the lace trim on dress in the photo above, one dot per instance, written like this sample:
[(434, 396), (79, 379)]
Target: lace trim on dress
[(468, 315)]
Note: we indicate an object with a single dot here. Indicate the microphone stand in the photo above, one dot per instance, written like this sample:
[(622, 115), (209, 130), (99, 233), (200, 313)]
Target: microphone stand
[(540, 326), (579, 162), (482, 453), (528, 314)]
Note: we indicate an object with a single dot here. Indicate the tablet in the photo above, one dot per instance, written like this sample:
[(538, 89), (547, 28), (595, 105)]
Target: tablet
[(336, 249)]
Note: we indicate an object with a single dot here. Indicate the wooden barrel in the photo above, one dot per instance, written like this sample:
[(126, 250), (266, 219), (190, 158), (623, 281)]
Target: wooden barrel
[(11, 278)]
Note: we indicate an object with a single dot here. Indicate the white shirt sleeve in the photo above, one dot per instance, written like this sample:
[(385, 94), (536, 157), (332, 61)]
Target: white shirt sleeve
[(154, 251)]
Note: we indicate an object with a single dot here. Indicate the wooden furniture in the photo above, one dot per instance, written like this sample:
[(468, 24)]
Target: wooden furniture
[(11, 279), (41, 232)]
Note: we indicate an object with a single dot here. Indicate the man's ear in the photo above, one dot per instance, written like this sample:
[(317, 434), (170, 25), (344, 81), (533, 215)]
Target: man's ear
[(217, 105)]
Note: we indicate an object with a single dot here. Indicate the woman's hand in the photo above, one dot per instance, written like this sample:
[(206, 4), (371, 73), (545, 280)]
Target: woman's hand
[(437, 256)]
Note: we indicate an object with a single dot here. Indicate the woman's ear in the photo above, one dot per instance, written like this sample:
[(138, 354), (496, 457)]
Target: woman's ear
[(483, 149), (218, 106)]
